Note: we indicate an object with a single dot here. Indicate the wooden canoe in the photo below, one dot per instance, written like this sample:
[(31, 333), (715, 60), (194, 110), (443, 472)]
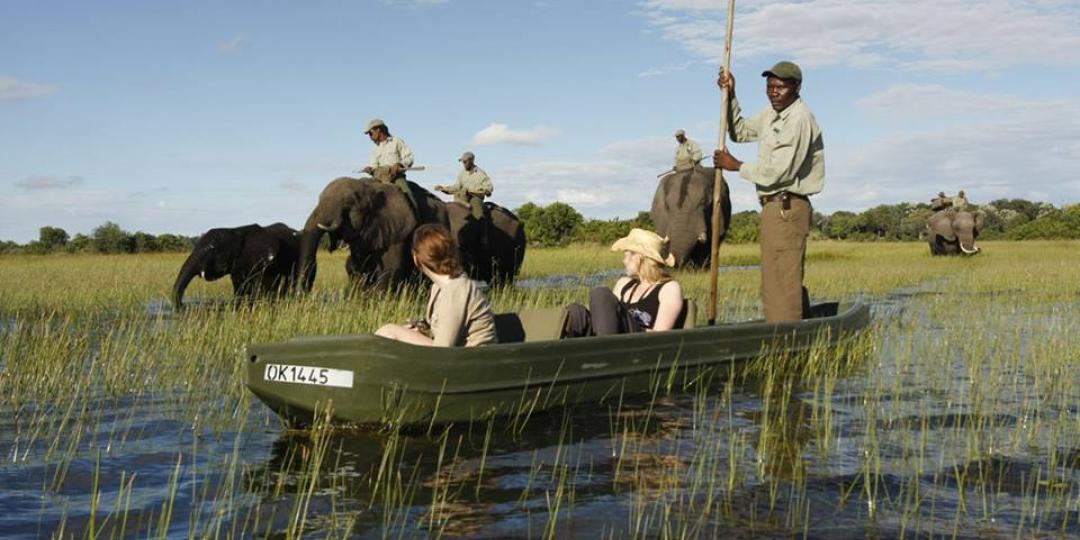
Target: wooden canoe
[(363, 379)]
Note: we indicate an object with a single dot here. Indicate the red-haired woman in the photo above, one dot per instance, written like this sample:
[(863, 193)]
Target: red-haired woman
[(458, 312)]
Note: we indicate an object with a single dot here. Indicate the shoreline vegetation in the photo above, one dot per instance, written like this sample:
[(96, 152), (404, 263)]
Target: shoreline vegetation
[(957, 415), (559, 224)]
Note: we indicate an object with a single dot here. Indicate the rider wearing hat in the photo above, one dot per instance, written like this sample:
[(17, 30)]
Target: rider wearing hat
[(390, 158)]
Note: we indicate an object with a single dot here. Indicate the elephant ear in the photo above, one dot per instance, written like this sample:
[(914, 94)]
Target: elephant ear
[(659, 210), (393, 218)]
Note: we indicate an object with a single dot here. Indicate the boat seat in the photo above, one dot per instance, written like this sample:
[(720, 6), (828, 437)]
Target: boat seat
[(688, 317), (527, 325)]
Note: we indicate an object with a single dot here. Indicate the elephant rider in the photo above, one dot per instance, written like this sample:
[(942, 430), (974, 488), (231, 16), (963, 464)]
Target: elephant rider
[(790, 168), (941, 202), (960, 201), (687, 154), (389, 159), (473, 184)]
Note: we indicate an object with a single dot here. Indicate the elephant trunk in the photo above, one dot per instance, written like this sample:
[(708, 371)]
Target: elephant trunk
[(309, 245), (683, 241), (192, 267)]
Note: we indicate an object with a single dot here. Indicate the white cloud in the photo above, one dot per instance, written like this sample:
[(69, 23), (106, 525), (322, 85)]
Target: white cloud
[(921, 35), (49, 182), (233, 45), (501, 133), (12, 88)]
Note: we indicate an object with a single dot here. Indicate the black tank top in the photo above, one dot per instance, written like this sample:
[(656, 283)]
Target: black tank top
[(647, 307)]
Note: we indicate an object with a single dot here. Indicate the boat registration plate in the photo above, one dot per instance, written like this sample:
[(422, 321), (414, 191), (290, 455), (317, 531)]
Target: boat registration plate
[(318, 376)]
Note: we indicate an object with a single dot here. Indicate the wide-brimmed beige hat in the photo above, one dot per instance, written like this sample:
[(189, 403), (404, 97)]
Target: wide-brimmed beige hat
[(646, 243), (467, 155), (679, 132)]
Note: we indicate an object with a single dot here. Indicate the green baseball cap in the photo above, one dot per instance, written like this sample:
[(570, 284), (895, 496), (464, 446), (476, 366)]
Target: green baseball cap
[(784, 70)]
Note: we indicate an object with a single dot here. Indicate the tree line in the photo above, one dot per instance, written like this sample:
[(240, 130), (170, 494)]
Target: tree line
[(559, 224)]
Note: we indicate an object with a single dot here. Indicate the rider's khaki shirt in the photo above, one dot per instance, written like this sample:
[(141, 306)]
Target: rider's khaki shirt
[(687, 155), (475, 182), (392, 151)]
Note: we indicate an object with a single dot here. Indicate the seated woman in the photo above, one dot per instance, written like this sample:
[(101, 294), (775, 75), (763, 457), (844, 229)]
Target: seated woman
[(646, 299), (458, 312)]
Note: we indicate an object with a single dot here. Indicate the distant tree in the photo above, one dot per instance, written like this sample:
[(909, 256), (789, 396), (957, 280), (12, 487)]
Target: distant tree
[(80, 244), (173, 242), (552, 225), (744, 228), (110, 238), (144, 242), (913, 225), (8, 247), (1030, 210), (1054, 224), (842, 225), (882, 221), (52, 238)]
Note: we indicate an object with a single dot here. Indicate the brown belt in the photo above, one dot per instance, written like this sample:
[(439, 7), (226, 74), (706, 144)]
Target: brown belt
[(782, 196)]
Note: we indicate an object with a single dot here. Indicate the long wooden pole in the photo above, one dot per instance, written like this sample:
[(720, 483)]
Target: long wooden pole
[(719, 186)]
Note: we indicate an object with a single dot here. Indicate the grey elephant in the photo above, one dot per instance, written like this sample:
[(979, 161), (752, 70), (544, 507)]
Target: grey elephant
[(260, 260), (493, 255), (953, 232), (377, 222), (682, 211)]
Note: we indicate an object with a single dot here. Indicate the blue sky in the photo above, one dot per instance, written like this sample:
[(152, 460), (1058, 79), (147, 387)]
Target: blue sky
[(183, 116)]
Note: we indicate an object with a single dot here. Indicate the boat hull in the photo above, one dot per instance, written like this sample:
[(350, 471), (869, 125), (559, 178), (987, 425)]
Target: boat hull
[(392, 383)]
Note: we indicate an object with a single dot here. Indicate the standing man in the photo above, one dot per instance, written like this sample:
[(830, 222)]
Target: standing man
[(687, 154), (389, 159), (790, 167)]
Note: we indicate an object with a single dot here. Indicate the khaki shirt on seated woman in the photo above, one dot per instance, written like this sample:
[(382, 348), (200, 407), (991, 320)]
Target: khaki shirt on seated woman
[(458, 311), (646, 299)]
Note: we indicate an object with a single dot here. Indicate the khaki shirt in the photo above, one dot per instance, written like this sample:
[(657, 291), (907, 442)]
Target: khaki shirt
[(687, 155), (476, 182), (959, 202), (459, 314), (791, 156), (392, 151)]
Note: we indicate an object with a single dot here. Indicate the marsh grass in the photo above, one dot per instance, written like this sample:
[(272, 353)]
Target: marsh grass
[(958, 415)]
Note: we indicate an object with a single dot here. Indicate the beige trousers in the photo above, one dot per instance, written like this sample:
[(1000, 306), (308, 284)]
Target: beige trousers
[(783, 253)]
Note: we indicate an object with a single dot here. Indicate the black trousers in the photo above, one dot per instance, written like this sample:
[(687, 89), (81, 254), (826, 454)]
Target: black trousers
[(606, 315)]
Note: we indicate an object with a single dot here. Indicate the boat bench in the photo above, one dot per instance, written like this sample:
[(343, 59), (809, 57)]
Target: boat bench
[(547, 324)]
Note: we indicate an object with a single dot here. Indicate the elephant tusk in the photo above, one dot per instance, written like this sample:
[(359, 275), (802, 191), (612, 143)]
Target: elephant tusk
[(323, 227), (202, 274), (969, 252)]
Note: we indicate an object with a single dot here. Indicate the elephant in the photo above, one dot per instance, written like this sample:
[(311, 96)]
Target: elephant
[(496, 258), (682, 211), (377, 223), (953, 232), (260, 260)]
